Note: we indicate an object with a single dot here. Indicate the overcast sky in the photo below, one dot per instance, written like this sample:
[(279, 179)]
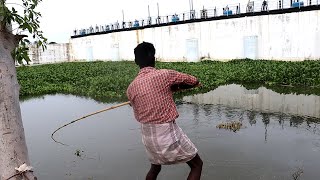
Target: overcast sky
[(61, 17)]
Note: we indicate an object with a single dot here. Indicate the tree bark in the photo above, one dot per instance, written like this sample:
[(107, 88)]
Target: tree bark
[(13, 148)]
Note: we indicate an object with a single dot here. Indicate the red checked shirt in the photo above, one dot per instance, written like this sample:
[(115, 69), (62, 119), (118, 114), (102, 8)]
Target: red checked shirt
[(150, 94)]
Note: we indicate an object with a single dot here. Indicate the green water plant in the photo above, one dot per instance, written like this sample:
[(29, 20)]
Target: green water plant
[(108, 81)]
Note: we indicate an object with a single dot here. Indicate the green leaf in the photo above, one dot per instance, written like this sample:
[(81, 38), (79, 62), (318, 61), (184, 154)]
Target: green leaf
[(26, 40), (13, 10), (26, 57)]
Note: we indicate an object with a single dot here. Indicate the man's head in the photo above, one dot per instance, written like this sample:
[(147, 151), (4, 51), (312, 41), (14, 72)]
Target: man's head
[(144, 55)]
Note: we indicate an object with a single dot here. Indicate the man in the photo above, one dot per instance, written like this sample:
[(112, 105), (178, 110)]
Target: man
[(150, 95), (265, 5)]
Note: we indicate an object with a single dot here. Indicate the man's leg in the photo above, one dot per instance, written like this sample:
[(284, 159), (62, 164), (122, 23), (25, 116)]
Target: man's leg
[(153, 172), (196, 168)]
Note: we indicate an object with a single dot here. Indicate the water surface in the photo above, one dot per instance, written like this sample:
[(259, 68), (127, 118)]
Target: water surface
[(281, 135)]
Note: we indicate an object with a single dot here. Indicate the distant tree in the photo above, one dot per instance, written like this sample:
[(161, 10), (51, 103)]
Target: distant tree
[(14, 49)]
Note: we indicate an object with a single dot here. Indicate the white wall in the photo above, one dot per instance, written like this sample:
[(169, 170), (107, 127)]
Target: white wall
[(292, 36), (53, 54)]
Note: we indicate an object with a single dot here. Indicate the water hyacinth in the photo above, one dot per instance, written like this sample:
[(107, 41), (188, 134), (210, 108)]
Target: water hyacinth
[(108, 81)]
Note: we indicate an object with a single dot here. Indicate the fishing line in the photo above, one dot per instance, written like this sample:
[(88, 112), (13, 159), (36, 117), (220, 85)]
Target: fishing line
[(100, 111)]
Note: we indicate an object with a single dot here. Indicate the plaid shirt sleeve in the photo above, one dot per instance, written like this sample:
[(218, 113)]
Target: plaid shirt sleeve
[(182, 80)]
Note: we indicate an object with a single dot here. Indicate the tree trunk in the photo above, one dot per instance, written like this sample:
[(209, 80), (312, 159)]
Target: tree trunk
[(13, 148)]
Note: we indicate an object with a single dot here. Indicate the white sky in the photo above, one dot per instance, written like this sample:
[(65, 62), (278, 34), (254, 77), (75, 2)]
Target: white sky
[(61, 17)]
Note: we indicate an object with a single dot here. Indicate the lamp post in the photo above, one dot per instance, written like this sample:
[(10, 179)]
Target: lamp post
[(149, 17), (192, 12), (191, 5), (123, 23), (158, 18), (158, 9), (122, 16)]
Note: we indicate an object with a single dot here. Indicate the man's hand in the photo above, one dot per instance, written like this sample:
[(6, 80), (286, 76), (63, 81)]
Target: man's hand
[(198, 85), (181, 87), (175, 88)]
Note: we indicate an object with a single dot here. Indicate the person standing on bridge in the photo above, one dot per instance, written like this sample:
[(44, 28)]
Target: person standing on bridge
[(151, 97)]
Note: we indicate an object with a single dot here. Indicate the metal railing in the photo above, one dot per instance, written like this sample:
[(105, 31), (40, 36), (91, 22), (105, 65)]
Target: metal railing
[(204, 13)]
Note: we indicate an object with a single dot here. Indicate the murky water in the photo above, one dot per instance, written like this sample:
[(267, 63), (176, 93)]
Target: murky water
[(281, 136)]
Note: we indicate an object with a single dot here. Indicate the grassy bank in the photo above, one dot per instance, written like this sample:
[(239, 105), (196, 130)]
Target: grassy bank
[(107, 81)]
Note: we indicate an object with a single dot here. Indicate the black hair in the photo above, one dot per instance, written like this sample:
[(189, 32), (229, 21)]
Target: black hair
[(144, 55)]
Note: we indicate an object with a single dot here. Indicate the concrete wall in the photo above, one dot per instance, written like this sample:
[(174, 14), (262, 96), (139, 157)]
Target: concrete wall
[(53, 54), (292, 36), (262, 99)]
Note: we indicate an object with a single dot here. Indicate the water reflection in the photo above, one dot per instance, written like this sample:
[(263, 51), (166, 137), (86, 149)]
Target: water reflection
[(251, 116), (261, 99), (269, 146), (296, 121)]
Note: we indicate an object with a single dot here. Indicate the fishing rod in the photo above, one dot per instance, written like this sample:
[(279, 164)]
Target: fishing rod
[(100, 111)]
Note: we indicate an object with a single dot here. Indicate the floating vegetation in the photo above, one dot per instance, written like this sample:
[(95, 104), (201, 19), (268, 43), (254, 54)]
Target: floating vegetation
[(232, 125), (297, 174), (78, 153), (108, 81)]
